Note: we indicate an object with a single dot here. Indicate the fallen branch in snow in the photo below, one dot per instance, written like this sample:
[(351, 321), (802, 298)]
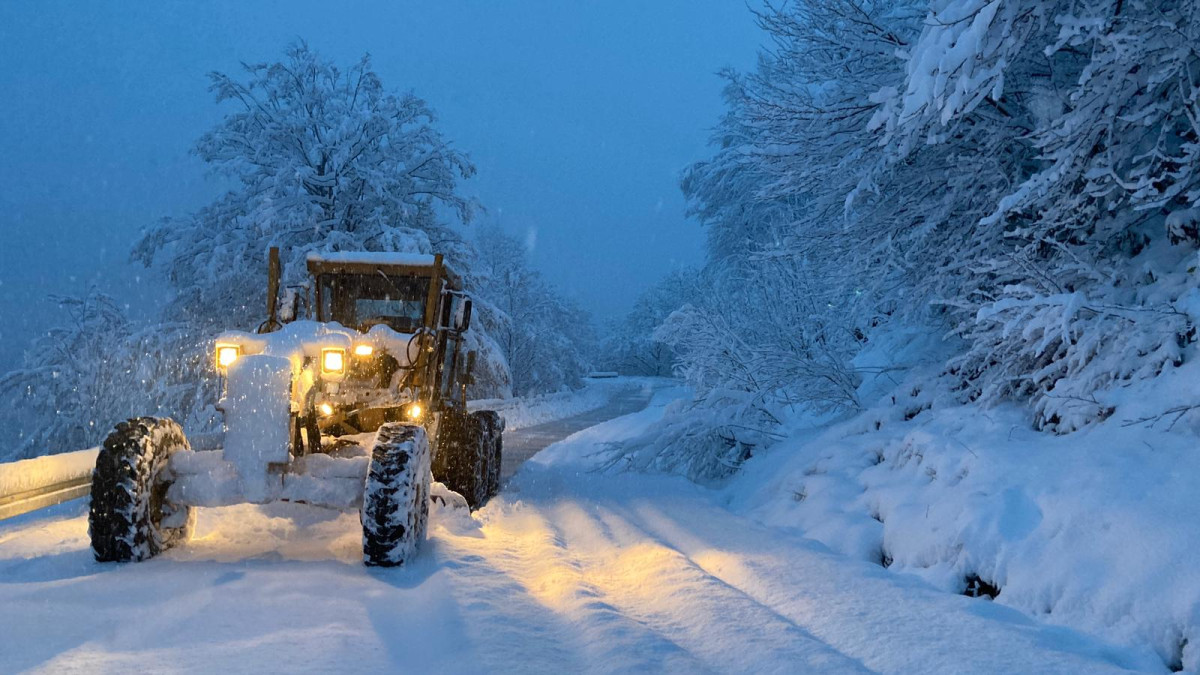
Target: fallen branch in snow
[(1150, 420)]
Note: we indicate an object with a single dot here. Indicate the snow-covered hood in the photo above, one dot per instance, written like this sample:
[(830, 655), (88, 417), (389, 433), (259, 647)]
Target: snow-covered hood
[(301, 339)]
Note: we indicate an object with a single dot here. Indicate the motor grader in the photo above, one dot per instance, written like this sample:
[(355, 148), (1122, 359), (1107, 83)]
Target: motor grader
[(352, 394)]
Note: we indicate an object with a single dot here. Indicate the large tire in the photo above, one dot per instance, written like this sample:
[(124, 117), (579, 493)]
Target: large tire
[(395, 507), (492, 437), (460, 462), (131, 518)]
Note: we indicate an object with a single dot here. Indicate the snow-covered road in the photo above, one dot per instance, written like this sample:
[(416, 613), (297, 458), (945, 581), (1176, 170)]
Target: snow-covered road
[(522, 444), (567, 571)]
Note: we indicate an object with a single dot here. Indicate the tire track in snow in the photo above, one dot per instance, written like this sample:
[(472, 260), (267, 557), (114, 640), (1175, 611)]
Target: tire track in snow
[(609, 577), (892, 623), (522, 544)]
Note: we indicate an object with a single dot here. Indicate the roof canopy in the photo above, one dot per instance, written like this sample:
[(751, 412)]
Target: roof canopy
[(369, 262), (375, 258)]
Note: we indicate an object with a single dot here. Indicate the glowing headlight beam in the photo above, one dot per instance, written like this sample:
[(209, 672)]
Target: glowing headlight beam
[(227, 354), (414, 411), (363, 350), (333, 361)]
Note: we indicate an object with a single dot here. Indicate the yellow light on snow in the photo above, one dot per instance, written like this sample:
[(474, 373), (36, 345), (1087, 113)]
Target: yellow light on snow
[(326, 409), (227, 354), (363, 350), (333, 361), (414, 411)]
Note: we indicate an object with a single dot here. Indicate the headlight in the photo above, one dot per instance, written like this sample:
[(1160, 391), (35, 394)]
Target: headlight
[(363, 350), (227, 354), (414, 411), (325, 409), (333, 361)]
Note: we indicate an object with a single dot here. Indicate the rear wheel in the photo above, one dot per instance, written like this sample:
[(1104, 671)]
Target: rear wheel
[(395, 507), (468, 455), (458, 463), (131, 517), (492, 437)]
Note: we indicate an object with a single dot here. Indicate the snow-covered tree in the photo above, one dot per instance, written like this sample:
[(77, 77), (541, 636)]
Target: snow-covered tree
[(545, 339), (629, 345), (1020, 176), (320, 158), (1078, 288)]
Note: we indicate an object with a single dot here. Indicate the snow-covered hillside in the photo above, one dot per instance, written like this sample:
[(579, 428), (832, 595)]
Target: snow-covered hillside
[(567, 571), (1091, 530)]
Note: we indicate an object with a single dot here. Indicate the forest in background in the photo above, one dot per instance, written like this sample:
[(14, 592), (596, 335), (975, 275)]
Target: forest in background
[(965, 201)]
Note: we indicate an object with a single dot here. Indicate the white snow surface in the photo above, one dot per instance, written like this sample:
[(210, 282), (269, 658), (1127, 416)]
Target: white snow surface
[(373, 258), (257, 407), (529, 411), (1093, 530), (30, 474), (566, 571)]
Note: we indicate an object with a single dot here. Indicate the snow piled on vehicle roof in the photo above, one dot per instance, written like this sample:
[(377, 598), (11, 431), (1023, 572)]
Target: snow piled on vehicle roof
[(372, 258)]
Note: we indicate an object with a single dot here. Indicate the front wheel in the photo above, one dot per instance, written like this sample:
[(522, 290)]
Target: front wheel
[(131, 518), (395, 507)]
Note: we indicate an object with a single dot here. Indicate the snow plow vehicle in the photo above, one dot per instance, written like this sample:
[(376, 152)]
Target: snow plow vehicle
[(361, 405)]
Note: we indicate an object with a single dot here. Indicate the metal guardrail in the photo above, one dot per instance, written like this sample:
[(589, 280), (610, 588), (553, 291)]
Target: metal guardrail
[(32, 484), (32, 500)]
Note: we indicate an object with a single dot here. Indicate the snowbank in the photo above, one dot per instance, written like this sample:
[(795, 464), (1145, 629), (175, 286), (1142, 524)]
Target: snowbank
[(1095, 530)]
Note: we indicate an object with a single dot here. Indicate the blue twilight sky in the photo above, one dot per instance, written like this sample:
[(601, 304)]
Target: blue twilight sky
[(579, 115)]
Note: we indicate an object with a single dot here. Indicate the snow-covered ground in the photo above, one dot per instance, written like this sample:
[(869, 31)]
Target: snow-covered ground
[(567, 571), (529, 411), (1094, 530)]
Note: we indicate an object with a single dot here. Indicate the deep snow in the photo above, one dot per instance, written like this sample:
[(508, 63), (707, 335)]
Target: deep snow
[(1095, 530), (566, 571)]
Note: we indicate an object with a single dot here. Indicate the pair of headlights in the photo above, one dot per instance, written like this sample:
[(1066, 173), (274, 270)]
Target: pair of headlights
[(333, 359)]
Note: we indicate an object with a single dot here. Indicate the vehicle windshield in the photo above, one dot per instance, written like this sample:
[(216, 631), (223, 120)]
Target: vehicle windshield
[(361, 301)]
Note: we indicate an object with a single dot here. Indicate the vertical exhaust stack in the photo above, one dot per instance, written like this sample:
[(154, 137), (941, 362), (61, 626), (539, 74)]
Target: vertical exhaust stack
[(273, 273)]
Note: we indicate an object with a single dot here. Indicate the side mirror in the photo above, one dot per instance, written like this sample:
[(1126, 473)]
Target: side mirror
[(462, 318)]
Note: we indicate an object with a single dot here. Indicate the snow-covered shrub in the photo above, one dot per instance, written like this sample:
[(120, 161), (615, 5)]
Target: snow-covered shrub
[(1061, 350), (707, 439), (1079, 295), (78, 380), (756, 345)]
